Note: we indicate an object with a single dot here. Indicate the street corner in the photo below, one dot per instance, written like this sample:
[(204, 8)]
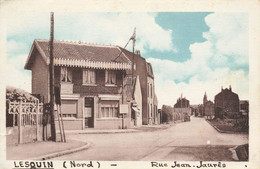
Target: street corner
[(45, 149)]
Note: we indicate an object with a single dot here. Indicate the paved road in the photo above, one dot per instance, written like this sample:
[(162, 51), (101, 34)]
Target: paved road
[(194, 140)]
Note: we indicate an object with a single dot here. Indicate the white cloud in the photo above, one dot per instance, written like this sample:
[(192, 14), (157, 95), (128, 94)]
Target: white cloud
[(107, 28), (114, 28), (229, 35), (214, 63)]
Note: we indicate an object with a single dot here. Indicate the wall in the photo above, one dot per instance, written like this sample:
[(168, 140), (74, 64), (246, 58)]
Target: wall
[(226, 102), (40, 77), (138, 99), (112, 123), (70, 124), (183, 110), (28, 134), (150, 101), (209, 109)]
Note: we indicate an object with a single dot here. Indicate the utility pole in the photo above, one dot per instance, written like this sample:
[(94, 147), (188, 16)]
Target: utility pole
[(51, 80), (133, 62)]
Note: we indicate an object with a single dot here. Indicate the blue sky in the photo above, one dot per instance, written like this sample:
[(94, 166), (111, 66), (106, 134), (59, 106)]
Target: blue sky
[(190, 52)]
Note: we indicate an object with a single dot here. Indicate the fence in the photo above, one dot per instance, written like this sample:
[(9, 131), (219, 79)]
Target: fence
[(27, 114)]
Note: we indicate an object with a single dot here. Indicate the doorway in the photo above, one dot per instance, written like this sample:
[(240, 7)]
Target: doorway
[(89, 112)]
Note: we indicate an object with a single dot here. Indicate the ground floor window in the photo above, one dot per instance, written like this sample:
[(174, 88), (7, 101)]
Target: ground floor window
[(109, 109), (69, 108)]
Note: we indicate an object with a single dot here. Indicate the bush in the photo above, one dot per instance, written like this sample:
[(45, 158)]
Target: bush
[(13, 94), (167, 113)]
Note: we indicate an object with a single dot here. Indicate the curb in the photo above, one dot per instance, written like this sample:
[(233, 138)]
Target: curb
[(134, 130), (222, 131), (61, 153), (97, 132)]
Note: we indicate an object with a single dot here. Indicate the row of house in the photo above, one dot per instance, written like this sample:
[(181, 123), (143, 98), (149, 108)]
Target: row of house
[(226, 103), (101, 86)]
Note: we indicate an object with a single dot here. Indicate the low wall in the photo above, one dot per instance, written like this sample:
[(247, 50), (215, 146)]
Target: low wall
[(70, 124), (28, 134), (112, 123)]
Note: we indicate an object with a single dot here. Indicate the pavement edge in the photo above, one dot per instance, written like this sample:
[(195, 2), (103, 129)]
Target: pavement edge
[(61, 153)]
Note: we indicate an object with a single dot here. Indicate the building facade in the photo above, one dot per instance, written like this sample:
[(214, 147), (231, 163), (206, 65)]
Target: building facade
[(208, 108), (144, 70), (92, 81), (182, 108), (226, 103)]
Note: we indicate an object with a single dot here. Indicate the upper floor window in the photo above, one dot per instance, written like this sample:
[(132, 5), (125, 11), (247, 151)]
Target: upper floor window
[(148, 90), (151, 88), (89, 76), (110, 77), (66, 74)]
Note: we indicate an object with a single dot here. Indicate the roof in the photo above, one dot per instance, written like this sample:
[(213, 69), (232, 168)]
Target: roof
[(149, 69), (225, 93), (130, 87), (73, 53)]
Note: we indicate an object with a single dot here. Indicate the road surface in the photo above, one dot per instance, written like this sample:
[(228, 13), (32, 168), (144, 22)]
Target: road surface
[(187, 141)]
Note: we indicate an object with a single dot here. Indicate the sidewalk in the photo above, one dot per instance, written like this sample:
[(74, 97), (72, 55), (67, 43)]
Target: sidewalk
[(43, 150), (47, 149)]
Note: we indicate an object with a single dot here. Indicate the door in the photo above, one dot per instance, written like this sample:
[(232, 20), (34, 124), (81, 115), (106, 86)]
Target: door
[(89, 112)]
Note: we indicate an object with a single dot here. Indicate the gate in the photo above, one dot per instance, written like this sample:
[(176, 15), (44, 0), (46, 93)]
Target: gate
[(27, 116)]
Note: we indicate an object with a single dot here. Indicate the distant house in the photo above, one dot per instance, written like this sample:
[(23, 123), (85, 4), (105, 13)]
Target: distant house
[(144, 70), (226, 103), (182, 107), (208, 108), (93, 82)]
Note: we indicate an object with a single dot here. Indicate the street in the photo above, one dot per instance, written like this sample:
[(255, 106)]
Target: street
[(187, 141)]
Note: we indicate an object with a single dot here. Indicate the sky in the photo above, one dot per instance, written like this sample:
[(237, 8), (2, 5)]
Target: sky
[(191, 52)]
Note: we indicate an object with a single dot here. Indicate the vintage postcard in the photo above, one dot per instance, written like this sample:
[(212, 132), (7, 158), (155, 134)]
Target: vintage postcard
[(131, 84)]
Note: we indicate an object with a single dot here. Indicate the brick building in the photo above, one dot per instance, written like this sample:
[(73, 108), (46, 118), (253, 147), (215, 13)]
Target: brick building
[(92, 83), (226, 103), (144, 70)]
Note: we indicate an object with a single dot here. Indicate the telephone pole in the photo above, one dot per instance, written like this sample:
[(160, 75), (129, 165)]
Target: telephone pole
[(133, 62), (51, 80)]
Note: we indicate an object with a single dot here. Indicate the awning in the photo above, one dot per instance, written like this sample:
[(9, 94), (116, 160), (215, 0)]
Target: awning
[(109, 97)]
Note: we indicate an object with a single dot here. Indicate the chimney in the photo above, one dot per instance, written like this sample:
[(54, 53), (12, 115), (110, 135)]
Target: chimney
[(230, 88), (137, 52), (221, 88)]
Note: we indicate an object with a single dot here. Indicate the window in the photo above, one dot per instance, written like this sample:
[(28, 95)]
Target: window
[(151, 88), (110, 77), (65, 74), (69, 108), (109, 109), (148, 90), (89, 76)]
